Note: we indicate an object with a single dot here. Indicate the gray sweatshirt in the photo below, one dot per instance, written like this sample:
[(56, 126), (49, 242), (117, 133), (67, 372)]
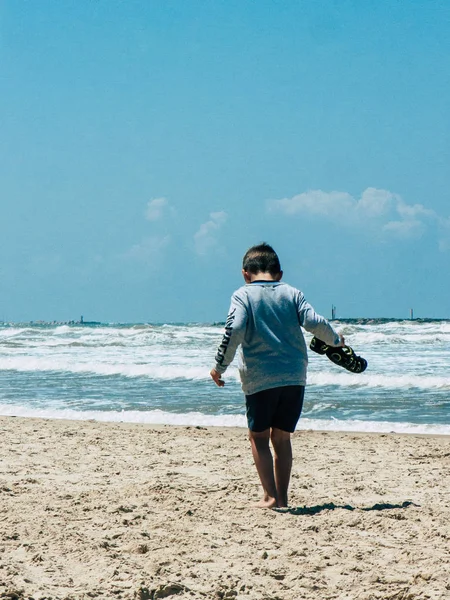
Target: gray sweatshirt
[(265, 320)]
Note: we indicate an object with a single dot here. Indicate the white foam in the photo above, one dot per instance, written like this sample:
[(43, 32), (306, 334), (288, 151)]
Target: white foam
[(158, 417), (367, 380), (357, 426), (174, 366), (13, 332), (360, 338), (66, 365), (61, 329), (155, 417)]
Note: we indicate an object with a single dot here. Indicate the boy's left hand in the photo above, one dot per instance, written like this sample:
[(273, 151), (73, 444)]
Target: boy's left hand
[(217, 378)]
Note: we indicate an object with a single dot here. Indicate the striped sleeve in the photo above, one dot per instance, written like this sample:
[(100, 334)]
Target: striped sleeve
[(235, 327)]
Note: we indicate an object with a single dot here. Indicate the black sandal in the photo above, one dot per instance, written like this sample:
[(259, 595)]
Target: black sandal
[(344, 356)]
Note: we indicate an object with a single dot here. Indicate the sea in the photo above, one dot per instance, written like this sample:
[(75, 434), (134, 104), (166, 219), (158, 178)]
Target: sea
[(159, 374)]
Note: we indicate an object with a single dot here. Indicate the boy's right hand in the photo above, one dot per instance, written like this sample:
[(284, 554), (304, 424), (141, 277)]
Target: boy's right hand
[(216, 377), (342, 340)]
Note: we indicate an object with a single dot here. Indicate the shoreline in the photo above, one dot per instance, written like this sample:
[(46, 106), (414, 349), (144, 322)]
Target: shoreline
[(137, 511), (159, 418), (225, 428)]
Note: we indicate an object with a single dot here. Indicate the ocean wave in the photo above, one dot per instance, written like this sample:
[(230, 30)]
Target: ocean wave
[(172, 367), (375, 338), (132, 339), (159, 417), (159, 371), (362, 337), (364, 380), (14, 331)]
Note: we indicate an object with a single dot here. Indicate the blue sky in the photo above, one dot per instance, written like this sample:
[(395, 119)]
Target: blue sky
[(145, 145)]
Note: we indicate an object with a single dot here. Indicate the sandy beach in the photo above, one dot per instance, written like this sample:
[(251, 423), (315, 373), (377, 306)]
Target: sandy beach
[(95, 510)]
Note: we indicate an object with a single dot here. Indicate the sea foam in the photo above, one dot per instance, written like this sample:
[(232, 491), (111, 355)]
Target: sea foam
[(159, 417)]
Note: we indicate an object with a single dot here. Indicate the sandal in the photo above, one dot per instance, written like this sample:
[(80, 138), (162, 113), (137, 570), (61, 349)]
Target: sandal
[(344, 356)]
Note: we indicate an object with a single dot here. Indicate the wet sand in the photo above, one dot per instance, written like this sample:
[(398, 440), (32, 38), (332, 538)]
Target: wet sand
[(98, 510)]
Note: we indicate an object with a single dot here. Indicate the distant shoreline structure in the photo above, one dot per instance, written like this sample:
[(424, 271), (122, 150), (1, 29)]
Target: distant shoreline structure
[(83, 323), (54, 323), (334, 317)]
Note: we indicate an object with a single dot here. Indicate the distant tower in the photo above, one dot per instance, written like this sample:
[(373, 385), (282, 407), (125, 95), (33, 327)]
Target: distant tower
[(81, 319), (333, 312), (411, 312)]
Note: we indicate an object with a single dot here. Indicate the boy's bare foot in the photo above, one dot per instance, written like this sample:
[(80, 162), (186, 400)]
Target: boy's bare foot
[(266, 502)]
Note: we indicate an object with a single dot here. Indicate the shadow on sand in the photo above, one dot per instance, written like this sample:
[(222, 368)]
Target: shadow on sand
[(314, 510)]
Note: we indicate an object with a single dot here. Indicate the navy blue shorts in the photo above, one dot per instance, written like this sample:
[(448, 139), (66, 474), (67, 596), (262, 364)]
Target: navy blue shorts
[(278, 407)]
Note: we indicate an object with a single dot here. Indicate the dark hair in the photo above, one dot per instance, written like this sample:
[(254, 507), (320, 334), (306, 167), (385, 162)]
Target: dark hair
[(261, 259)]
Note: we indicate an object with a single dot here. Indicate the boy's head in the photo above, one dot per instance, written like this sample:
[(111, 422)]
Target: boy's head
[(261, 259)]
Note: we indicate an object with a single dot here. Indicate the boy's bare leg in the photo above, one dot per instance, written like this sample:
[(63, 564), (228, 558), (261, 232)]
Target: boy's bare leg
[(281, 442), (264, 465)]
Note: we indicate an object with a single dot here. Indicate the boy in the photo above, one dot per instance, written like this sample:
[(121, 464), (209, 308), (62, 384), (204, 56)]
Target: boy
[(264, 319)]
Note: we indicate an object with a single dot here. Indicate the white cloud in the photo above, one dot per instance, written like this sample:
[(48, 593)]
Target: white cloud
[(410, 228), (410, 211), (315, 202), (376, 209), (156, 208), (375, 203), (149, 250), (205, 239)]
